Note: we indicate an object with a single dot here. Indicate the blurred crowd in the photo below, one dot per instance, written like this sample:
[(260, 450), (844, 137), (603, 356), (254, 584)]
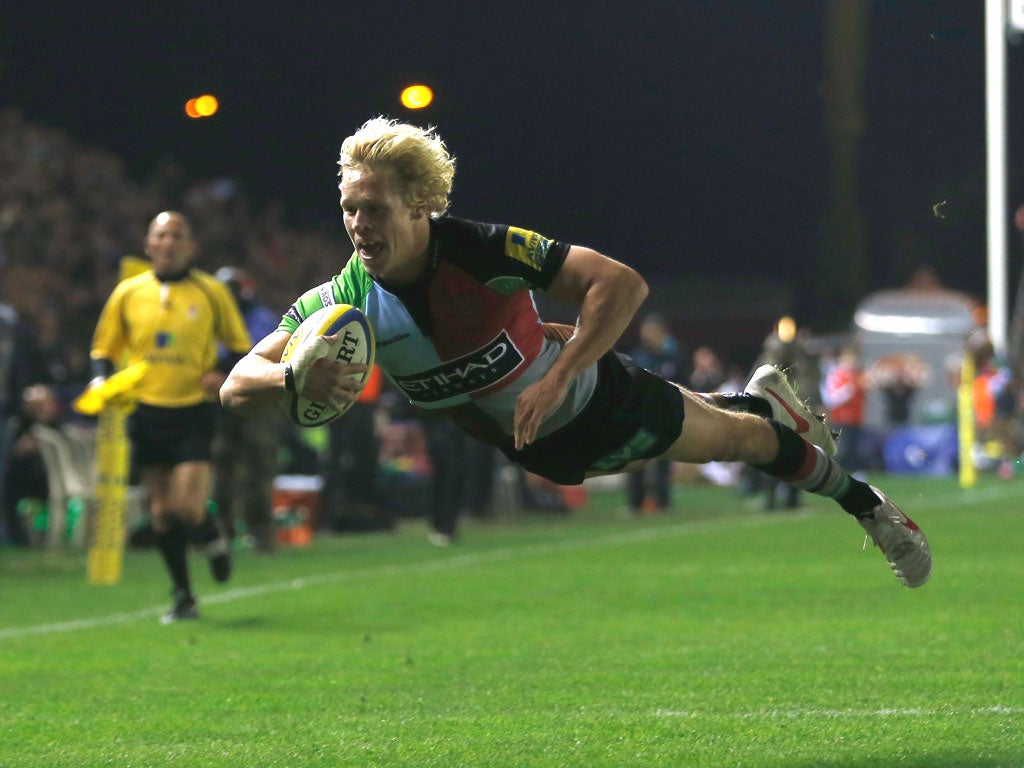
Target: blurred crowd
[(69, 214)]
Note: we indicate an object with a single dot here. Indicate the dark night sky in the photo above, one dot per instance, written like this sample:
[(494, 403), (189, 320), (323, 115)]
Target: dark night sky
[(682, 137)]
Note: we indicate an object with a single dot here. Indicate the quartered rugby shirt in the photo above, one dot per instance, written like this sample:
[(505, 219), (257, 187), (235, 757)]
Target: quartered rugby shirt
[(466, 338)]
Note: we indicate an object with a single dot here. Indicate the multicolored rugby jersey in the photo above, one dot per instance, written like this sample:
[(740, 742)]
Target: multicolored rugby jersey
[(466, 338)]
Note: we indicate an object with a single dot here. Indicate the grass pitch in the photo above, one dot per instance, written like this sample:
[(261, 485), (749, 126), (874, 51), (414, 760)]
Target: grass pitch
[(714, 636)]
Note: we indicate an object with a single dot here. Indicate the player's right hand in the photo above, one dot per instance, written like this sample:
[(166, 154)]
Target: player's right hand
[(311, 349)]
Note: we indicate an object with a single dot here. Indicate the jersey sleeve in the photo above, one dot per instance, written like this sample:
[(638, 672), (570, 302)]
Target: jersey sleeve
[(348, 287), (541, 256), (505, 258), (108, 340)]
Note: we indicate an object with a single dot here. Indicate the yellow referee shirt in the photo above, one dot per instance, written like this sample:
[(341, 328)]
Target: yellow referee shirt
[(174, 326)]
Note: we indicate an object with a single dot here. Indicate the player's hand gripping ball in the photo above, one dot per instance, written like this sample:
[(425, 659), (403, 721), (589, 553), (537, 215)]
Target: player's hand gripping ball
[(355, 344)]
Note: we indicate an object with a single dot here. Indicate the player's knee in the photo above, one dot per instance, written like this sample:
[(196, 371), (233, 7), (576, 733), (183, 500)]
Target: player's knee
[(161, 521), (193, 514)]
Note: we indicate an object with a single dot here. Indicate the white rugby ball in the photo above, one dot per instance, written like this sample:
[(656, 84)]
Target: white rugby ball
[(355, 344)]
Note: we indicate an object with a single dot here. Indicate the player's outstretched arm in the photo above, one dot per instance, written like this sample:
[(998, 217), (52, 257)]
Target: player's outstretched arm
[(608, 294), (259, 377)]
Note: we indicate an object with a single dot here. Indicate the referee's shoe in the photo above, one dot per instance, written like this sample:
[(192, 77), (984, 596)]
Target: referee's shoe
[(218, 551), (184, 607)]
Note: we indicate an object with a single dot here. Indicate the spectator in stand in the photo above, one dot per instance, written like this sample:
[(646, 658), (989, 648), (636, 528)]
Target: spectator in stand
[(245, 450), (649, 490), (25, 472), (844, 393), (463, 478), (994, 404), (20, 365), (707, 374), (722, 378), (8, 327), (788, 347), (898, 377), (353, 458)]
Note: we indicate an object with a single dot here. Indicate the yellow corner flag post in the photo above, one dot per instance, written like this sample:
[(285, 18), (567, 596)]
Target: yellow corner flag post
[(965, 412), (112, 401), (106, 555)]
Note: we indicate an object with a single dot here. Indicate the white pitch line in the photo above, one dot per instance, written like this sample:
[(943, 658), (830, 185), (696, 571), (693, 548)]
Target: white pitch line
[(839, 714), (459, 561), (423, 567)]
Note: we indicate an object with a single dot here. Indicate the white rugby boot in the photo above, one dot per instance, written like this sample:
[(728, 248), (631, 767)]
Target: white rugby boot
[(769, 383), (901, 541)]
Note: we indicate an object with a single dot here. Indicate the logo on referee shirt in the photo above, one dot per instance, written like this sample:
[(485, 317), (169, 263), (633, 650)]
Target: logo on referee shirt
[(470, 373)]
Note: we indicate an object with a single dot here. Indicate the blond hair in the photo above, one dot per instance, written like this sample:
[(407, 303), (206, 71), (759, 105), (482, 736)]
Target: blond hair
[(418, 157)]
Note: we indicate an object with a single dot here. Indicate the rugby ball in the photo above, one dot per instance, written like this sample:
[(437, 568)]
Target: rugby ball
[(355, 344)]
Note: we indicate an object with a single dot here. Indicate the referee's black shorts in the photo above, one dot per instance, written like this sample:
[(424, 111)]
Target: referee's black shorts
[(632, 415), (169, 436)]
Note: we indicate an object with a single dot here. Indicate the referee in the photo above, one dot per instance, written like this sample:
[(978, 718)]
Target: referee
[(173, 317)]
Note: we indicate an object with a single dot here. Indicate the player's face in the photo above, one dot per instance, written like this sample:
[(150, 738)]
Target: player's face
[(169, 245), (390, 238)]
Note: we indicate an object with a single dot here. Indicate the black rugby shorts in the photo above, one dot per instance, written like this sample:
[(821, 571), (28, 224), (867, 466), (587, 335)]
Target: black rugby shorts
[(169, 436), (632, 415)]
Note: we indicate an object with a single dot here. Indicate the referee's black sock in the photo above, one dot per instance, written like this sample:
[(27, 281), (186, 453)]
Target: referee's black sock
[(173, 546), (203, 532)]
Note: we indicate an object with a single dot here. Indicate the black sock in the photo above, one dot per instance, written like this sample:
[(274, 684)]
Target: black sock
[(859, 499), (173, 545), (736, 401), (203, 532)]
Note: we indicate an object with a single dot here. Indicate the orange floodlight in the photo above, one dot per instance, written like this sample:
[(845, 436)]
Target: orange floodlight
[(417, 97)]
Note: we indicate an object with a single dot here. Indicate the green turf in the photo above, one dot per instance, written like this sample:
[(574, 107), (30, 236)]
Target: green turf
[(715, 636)]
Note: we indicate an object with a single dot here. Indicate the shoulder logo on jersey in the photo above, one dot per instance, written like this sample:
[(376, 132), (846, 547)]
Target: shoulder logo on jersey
[(470, 373), (326, 295), (527, 247), (163, 339)]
